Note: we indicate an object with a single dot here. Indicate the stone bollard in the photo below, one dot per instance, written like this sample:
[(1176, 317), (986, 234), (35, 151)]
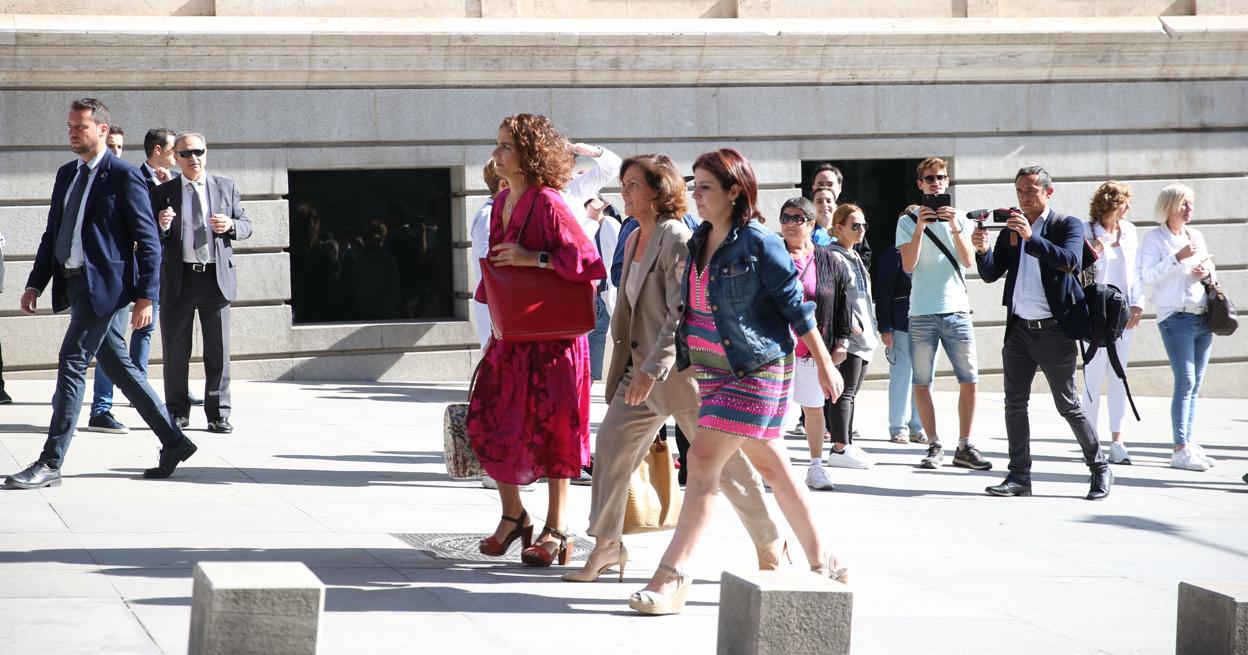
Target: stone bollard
[(240, 608), (783, 612), (1213, 618)]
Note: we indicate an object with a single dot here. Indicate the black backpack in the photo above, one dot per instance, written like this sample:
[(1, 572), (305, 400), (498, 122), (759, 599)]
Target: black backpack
[(1108, 313)]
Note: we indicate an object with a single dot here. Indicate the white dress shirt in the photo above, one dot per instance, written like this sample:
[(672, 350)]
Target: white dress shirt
[(479, 233), (194, 192), (77, 258), (1170, 284), (1116, 265), (587, 184), (1029, 300)]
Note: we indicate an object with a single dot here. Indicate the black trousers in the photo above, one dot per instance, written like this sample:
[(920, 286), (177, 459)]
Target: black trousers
[(1054, 353), (839, 413), (103, 337), (200, 293)]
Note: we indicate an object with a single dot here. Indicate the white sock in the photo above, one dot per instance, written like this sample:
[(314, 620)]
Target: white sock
[(963, 442), (816, 461)]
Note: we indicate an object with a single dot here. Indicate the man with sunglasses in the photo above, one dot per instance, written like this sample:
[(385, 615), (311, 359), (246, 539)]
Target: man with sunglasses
[(100, 252), (199, 216), (936, 250)]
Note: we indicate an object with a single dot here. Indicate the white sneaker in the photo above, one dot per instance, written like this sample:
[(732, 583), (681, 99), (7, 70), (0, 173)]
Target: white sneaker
[(1200, 452), (852, 457), (489, 483), (817, 479), (1188, 460), (1118, 453)]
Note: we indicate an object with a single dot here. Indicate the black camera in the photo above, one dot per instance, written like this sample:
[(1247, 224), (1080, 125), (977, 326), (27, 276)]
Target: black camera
[(935, 201), (1003, 215)]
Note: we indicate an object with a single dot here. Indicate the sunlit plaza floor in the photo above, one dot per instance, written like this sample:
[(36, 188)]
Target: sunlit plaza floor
[(329, 474)]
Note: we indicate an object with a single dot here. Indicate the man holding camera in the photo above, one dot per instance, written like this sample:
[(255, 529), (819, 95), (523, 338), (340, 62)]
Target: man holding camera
[(1039, 252), (936, 250)]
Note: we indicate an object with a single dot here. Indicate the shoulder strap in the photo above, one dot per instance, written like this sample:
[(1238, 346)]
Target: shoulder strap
[(948, 255)]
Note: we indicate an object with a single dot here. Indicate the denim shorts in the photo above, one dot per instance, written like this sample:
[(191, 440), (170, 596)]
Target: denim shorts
[(956, 332)]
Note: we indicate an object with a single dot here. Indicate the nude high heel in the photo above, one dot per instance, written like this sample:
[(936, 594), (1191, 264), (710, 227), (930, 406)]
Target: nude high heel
[(832, 570), (598, 562), (651, 602), (769, 556)]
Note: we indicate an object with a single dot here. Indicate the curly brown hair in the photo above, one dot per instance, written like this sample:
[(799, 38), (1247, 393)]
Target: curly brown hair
[(1108, 197), (665, 180), (544, 154)]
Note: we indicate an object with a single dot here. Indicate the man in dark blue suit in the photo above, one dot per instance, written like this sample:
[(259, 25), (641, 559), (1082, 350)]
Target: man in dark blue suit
[(1039, 252), (101, 252)]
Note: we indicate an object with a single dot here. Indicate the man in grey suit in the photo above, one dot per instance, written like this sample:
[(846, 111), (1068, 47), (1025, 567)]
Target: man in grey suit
[(200, 216)]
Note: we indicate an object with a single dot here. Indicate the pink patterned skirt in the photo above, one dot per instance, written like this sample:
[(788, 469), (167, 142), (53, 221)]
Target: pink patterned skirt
[(753, 406)]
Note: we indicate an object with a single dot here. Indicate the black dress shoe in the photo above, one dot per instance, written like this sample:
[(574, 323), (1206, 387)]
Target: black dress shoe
[(1101, 482), (1010, 487), (170, 458), (35, 476), (195, 400), (180, 421), (220, 426)]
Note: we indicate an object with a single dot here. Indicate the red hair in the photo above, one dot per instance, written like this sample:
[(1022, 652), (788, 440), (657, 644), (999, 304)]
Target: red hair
[(731, 167)]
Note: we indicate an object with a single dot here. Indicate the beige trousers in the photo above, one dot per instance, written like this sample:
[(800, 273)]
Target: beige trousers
[(623, 440)]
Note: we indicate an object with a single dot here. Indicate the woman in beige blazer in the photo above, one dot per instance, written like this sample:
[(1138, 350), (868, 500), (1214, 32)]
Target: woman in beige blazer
[(643, 389)]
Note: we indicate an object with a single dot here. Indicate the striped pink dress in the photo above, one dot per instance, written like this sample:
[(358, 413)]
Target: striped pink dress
[(752, 406)]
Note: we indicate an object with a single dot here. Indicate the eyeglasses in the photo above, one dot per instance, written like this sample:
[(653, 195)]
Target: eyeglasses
[(187, 154), (932, 179), (792, 219)]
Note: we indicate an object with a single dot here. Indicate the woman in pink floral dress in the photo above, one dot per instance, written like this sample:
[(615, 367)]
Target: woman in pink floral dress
[(528, 417)]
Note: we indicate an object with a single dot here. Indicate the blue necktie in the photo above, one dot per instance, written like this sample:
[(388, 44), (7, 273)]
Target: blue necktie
[(69, 219)]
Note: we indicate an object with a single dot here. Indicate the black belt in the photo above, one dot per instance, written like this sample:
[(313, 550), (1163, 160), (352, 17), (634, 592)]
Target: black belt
[(197, 268), (73, 272), (1042, 324)]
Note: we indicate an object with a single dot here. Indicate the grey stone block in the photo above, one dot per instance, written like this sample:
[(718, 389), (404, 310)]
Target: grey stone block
[(765, 612), (239, 608), (1213, 618)]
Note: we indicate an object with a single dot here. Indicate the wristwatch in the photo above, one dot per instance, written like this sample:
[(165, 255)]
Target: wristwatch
[(543, 259)]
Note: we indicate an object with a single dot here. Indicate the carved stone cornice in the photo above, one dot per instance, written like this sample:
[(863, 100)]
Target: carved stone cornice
[(50, 52)]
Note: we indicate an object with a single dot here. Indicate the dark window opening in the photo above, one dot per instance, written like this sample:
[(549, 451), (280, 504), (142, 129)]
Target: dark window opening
[(370, 245), (882, 187)]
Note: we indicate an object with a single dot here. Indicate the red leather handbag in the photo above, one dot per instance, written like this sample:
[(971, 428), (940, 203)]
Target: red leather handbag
[(537, 304)]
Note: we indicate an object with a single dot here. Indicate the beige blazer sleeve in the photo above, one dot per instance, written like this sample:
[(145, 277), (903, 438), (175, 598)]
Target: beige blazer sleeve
[(669, 270)]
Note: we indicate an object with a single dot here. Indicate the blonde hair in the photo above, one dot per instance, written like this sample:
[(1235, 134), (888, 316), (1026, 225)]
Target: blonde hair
[(1108, 197), (1170, 198), (931, 162), (844, 211)]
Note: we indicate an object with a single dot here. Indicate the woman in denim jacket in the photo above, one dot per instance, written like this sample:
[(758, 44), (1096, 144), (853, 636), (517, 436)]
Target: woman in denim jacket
[(741, 300)]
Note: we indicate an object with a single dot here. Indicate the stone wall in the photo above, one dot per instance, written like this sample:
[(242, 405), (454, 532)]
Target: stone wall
[(1149, 101), (634, 8)]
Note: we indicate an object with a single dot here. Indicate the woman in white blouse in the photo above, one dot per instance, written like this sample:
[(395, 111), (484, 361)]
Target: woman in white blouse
[(1117, 243), (1173, 261)]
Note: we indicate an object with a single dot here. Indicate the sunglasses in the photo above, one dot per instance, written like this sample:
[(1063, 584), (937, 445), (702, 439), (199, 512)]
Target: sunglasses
[(858, 227), (932, 179), (793, 219), (187, 154)]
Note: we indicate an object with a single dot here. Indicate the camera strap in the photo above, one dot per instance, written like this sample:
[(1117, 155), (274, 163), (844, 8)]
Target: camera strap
[(944, 249)]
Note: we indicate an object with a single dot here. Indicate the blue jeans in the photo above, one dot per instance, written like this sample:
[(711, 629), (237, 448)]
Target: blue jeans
[(91, 335), (956, 333), (140, 346), (598, 339), (1188, 341), (900, 389)]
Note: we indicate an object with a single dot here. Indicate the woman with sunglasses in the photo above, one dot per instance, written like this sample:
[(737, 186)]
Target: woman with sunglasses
[(849, 226), (823, 279), (742, 306)]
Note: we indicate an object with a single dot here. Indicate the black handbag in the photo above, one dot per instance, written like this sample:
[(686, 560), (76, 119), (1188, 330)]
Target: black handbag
[(1223, 320)]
